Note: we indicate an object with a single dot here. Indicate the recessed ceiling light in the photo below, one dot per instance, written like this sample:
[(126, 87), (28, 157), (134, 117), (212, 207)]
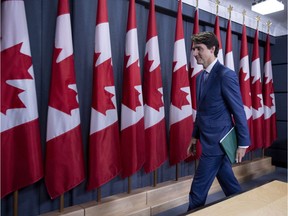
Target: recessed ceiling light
[(264, 7)]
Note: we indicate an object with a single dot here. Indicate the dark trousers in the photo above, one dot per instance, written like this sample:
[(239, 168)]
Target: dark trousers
[(210, 167)]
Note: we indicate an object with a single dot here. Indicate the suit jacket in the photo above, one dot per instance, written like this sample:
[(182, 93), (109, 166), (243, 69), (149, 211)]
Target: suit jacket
[(220, 98)]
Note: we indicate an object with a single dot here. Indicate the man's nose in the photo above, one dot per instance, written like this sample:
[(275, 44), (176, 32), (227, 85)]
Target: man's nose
[(195, 53)]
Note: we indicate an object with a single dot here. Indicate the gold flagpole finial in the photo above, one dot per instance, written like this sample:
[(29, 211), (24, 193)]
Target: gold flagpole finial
[(258, 20), (244, 14), (269, 23), (230, 8), (197, 4), (217, 6)]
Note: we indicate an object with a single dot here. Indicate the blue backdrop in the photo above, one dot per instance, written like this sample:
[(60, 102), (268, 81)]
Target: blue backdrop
[(41, 19)]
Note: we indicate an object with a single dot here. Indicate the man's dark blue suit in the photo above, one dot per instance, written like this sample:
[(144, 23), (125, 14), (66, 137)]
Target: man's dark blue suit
[(217, 101)]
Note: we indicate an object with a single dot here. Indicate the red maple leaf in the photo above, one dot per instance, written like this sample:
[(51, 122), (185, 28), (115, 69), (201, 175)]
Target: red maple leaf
[(131, 79), (267, 91), (152, 82), (103, 76), (62, 97), (179, 80), (14, 66), (245, 88), (256, 89)]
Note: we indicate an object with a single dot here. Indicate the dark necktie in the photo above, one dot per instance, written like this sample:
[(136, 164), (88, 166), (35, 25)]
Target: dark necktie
[(205, 76)]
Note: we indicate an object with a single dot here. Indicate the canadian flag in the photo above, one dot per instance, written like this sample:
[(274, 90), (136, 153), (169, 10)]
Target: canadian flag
[(21, 157), (229, 61), (64, 165), (218, 35), (155, 130), (194, 70), (104, 145), (270, 128), (244, 80), (181, 119), (132, 111), (257, 98)]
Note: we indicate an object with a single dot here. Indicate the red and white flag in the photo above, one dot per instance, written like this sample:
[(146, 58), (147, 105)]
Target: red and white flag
[(155, 130), (244, 80), (229, 61), (181, 119), (21, 154), (132, 112), (257, 97), (64, 165), (218, 35), (194, 70), (270, 128), (104, 145)]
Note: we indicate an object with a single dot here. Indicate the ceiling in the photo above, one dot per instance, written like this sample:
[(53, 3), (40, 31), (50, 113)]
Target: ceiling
[(278, 19)]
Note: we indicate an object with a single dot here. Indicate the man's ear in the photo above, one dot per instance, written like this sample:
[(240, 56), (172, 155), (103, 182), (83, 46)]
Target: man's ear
[(212, 49)]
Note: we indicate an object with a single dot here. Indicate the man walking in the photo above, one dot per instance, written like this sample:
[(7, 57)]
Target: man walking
[(219, 108)]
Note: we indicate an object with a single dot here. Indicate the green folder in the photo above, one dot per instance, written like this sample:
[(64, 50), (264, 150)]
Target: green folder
[(229, 144)]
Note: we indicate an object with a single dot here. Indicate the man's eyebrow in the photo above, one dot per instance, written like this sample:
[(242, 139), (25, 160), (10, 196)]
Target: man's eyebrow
[(196, 46)]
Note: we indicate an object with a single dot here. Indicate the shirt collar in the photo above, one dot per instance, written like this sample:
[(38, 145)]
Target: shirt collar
[(209, 68)]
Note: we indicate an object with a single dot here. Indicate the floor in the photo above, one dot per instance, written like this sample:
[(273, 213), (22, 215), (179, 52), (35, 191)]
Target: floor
[(279, 174)]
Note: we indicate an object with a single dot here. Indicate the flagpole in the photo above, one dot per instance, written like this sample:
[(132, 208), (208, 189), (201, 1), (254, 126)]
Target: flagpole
[(244, 14), (61, 203), (99, 195), (230, 8), (217, 2), (129, 185), (15, 203), (155, 178), (268, 23), (258, 18), (177, 172)]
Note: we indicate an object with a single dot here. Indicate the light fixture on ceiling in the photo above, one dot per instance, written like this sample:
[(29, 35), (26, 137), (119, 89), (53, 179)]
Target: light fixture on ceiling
[(267, 6)]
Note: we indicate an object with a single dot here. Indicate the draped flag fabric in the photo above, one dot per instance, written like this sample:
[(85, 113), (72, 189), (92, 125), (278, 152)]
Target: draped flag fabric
[(181, 119), (132, 111), (21, 157), (270, 129), (244, 80), (229, 61), (155, 130), (194, 70), (64, 165), (218, 35), (104, 146), (257, 97)]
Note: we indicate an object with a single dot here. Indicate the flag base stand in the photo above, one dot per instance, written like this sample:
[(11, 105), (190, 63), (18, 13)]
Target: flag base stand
[(154, 200)]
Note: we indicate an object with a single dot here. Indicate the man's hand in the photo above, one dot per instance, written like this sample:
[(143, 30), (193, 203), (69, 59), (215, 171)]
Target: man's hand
[(192, 147), (240, 154)]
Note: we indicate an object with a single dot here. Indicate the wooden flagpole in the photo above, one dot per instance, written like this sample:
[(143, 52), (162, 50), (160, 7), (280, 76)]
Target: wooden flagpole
[(61, 203), (15, 203), (155, 178), (177, 172), (99, 195), (268, 23), (129, 185)]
